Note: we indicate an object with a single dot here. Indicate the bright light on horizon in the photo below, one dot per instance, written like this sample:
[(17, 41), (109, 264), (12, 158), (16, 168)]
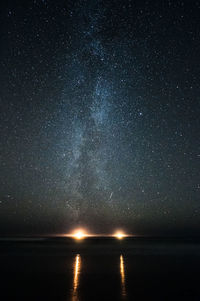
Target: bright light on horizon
[(79, 234), (119, 235), (82, 233)]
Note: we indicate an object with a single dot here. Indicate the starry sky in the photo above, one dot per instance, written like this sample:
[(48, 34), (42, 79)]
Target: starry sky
[(99, 120)]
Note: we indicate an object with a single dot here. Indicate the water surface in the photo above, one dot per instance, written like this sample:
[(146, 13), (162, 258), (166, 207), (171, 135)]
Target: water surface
[(100, 269)]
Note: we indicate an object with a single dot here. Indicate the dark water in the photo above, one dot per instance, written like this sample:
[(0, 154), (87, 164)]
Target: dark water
[(100, 269)]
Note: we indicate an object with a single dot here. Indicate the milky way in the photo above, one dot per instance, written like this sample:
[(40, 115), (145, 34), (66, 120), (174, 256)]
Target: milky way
[(100, 116)]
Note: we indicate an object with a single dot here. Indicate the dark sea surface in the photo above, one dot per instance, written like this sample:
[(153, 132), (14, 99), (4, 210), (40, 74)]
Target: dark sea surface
[(100, 269)]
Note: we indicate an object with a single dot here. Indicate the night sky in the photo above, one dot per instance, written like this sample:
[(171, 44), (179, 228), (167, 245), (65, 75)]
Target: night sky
[(99, 123)]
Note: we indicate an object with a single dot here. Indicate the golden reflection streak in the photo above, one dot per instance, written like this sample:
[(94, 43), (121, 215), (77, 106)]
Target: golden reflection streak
[(122, 273), (77, 270)]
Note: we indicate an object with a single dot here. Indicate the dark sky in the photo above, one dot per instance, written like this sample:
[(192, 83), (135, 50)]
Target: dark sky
[(99, 122)]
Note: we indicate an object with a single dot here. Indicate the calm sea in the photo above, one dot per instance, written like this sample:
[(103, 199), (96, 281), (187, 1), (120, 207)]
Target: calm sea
[(99, 269)]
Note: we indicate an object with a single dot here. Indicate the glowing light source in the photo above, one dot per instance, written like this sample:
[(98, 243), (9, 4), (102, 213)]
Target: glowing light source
[(119, 235), (79, 234)]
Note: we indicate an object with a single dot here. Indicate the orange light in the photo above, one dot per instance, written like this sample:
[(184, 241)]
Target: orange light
[(119, 235), (77, 272), (77, 268), (122, 273), (79, 234)]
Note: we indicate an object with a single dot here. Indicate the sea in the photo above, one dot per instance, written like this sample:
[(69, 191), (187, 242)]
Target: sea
[(60, 268)]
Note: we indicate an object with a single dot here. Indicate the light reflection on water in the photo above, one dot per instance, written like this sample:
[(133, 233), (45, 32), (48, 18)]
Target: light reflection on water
[(77, 271), (122, 274)]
